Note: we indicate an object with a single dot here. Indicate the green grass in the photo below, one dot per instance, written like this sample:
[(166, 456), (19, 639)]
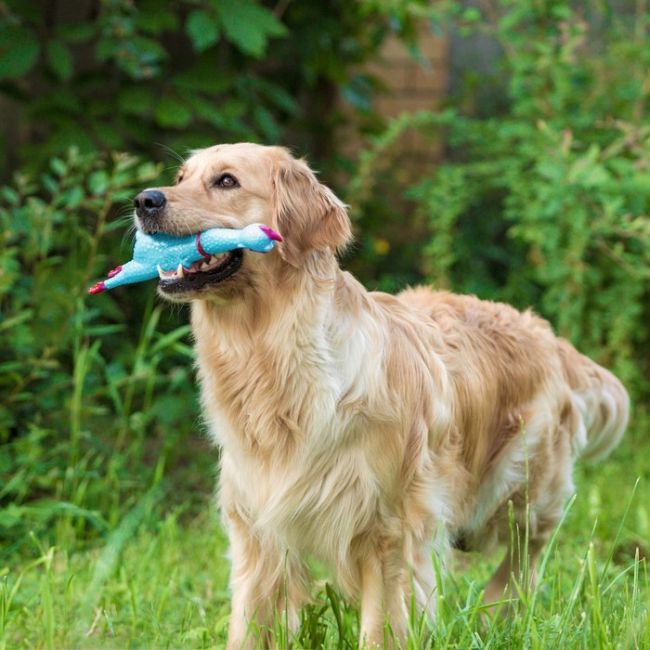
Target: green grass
[(158, 579)]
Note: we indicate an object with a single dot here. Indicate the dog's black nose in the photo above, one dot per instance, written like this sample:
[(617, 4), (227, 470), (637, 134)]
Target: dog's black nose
[(149, 202)]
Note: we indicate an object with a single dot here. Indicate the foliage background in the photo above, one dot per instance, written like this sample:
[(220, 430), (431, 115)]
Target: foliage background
[(540, 198)]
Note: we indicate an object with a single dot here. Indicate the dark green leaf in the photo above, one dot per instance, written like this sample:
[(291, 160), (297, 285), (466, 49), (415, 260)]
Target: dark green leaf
[(19, 50), (58, 167), (172, 112), (202, 29), (202, 77), (76, 33), (278, 95), (249, 26), (59, 59), (136, 100), (267, 124), (10, 195), (154, 18)]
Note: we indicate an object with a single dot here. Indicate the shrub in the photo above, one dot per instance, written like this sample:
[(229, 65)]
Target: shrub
[(140, 77), (84, 382), (547, 202)]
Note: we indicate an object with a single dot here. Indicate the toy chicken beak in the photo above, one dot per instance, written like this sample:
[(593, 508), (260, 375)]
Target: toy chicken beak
[(270, 233)]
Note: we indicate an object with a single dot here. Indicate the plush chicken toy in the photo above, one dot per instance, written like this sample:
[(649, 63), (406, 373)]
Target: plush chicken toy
[(161, 255)]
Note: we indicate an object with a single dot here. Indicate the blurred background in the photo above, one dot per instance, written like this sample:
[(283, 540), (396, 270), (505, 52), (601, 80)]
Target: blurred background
[(497, 147)]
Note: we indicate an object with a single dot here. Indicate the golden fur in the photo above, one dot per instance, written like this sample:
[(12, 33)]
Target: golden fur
[(364, 429)]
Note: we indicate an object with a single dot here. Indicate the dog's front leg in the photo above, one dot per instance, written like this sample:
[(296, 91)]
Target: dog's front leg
[(372, 602), (382, 597), (267, 588)]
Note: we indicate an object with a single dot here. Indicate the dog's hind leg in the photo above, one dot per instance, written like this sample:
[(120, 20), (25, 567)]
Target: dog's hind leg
[(518, 567)]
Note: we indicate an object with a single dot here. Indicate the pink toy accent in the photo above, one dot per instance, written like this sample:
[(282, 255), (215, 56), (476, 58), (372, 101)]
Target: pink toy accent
[(115, 271), (200, 248), (270, 233), (97, 288)]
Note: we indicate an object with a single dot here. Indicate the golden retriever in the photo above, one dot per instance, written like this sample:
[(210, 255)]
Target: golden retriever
[(367, 430)]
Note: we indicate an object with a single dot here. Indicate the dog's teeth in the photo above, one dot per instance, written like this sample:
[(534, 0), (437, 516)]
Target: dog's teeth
[(161, 273), (179, 271)]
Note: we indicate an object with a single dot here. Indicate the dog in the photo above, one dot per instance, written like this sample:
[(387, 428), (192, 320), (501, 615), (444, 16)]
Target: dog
[(364, 429)]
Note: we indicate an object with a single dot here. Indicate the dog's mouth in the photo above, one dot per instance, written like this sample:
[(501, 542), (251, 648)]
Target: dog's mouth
[(210, 270)]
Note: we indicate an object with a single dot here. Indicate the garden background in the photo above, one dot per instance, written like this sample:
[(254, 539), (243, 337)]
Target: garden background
[(523, 176)]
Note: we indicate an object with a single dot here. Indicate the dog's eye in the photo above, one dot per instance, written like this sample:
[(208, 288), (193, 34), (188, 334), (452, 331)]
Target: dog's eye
[(226, 181)]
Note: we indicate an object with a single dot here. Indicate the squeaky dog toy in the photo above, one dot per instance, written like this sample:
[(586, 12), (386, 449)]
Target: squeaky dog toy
[(162, 255)]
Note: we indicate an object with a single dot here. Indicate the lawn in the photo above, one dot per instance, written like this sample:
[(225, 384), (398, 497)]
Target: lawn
[(158, 579)]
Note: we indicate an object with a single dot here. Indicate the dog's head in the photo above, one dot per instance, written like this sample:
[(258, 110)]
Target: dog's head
[(231, 186)]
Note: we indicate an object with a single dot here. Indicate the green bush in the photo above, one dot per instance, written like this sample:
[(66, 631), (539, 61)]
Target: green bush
[(542, 201), (86, 383), (545, 204), (147, 76), (117, 75)]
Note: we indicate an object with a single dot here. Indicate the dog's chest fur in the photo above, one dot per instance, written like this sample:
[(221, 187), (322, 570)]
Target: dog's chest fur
[(296, 451)]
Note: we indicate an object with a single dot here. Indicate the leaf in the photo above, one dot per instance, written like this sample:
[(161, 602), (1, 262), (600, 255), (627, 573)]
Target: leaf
[(45, 510), (58, 167), (135, 100), (202, 29), (10, 195), (153, 18), (280, 97), (266, 122), (59, 60), (210, 112), (358, 92), (170, 338), (73, 197), (105, 48), (146, 49), (76, 33), (108, 558), (201, 77), (19, 50), (249, 26), (98, 182), (171, 112)]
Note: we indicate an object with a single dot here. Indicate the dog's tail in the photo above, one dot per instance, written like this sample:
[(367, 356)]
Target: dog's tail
[(600, 402)]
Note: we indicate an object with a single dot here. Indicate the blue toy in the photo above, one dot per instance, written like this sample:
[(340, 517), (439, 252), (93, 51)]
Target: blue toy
[(160, 254)]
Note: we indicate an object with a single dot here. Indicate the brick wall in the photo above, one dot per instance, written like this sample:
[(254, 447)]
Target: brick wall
[(411, 85)]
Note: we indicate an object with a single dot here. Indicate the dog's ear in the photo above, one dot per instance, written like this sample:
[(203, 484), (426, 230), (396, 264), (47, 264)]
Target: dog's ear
[(307, 214)]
